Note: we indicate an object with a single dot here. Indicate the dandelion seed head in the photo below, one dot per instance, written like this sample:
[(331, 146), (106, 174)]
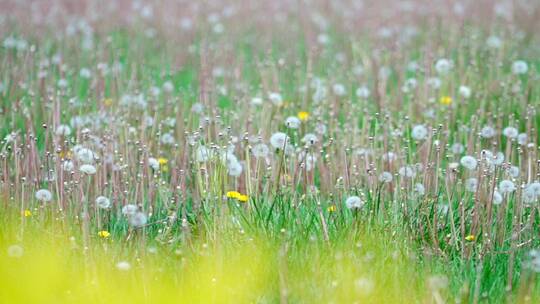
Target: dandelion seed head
[(44, 195), (63, 130), (468, 162), (362, 92), (278, 140), (385, 177), (520, 67), (354, 202), (153, 163), (129, 209), (471, 184), (510, 132), (443, 66), (419, 132), (292, 122), (103, 202), (276, 99), (465, 92), (260, 150), (88, 169), (506, 186), (123, 266), (15, 251), (138, 219)]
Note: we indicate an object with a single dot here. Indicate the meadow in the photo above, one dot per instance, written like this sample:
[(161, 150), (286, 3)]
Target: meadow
[(283, 151)]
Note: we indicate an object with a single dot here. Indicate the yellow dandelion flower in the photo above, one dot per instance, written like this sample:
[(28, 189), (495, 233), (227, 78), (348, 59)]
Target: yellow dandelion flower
[(163, 161), (332, 208), (108, 102), (446, 100), (470, 237), (303, 116), (27, 213), (65, 154), (104, 234), (242, 198), (233, 194), (288, 178)]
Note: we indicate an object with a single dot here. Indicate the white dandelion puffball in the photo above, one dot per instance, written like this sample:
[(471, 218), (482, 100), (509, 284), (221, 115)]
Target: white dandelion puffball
[(310, 139), (522, 139), (389, 157), (62, 83), (87, 169), (443, 66), (354, 202), (494, 42), (15, 251), (364, 286), (407, 171), (155, 91), (465, 91), (84, 155), (362, 92), (434, 82), (129, 209), (275, 98), (471, 184), (419, 132), (497, 198), (468, 162), (510, 132), (409, 85), (256, 101), (167, 139), (323, 39), (278, 140), (493, 159), (85, 73), (310, 161), (520, 67), (138, 219), (197, 108), (153, 163), (123, 266), (68, 165), (339, 89), (44, 195), (260, 150), (321, 128), (535, 186), (103, 202), (234, 169), (487, 132), (513, 171), (63, 130), (419, 189), (453, 165), (358, 70), (506, 186), (529, 194), (228, 158), (385, 177), (498, 159), (457, 148), (292, 122), (203, 154), (168, 86), (533, 189)]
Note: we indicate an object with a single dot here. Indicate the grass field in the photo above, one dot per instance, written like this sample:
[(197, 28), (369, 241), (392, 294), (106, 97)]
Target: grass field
[(280, 151)]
